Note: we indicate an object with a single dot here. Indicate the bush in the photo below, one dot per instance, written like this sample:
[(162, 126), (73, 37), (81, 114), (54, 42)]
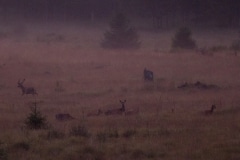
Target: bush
[(3, 154), (235, 45), (129, 133), (80, 131), (54, 134), (22, 145), (121, 35), (183, 39), (35, 119)]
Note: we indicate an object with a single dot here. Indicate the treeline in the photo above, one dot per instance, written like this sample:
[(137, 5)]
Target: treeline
[(162, 13)]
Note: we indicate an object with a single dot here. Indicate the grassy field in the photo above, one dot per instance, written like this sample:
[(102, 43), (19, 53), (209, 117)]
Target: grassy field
[(73, 74)]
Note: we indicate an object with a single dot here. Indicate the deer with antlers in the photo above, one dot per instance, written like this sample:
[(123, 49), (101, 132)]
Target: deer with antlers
[(26, 90), (118, 111)]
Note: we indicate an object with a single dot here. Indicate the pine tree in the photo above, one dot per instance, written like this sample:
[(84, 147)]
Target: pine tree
[(183, 39), (121, 35)]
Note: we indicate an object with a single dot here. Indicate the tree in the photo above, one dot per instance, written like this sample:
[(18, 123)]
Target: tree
[(183, 39), (121, 35), (35, 119)]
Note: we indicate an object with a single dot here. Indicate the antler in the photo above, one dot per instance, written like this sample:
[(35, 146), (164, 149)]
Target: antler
[(122, 101), (19, 82)]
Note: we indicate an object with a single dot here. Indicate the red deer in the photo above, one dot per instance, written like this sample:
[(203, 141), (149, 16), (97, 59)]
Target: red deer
[(26, 90), (119, 111), (209, 112), (148, 75), (63, 117)]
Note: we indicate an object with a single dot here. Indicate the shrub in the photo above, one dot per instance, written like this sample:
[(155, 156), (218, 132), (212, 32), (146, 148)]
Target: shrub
[(22, 145), (235, 45), (218, 48), (129, 133), (35, 119), (3, 154), (54, 134), (58, 87), (80, 131), (183, 39), (120, 35), (101, 137)]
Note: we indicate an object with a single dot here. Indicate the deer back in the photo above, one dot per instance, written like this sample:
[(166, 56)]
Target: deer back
[(63, 117)]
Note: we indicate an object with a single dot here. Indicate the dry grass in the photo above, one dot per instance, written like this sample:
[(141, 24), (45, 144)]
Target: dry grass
[(91, 78)]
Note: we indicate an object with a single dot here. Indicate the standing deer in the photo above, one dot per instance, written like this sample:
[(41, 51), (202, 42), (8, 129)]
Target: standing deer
[(26, 90), (209, 112), (148, 75), (118, 111)]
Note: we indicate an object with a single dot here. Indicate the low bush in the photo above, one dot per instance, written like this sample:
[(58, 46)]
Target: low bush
[(3, 154), (235, 45), (129, 133), (80, 131), (54, 134)]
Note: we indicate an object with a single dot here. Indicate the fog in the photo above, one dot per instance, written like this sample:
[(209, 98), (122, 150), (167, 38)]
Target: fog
[(157, 14), (55, 68)]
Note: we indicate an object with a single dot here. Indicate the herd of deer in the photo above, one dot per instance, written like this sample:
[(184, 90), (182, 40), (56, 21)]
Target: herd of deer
[(148, 75)]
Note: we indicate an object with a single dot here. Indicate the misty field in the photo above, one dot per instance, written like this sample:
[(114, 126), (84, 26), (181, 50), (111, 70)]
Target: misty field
[(73, 74)]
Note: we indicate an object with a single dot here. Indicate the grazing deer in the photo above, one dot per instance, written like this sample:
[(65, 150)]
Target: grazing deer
[(118, 111), (95, 114), (148, 75), (26, 90), (63, 117), (209, 112)]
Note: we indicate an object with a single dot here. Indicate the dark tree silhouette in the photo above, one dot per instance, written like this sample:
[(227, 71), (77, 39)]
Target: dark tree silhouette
[(35, 120), (121, 35), (183, 39)]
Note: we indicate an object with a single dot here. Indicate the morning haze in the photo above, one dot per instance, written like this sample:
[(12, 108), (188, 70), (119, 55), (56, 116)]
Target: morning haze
[(119, 79)]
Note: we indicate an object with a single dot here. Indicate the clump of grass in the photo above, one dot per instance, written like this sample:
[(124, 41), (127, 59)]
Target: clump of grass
[(89, 152), (79, 131), (21, 146), (218, 48), (137, 154), (58, 87), (54, 134), (163, 132), (3, 154), (50, 37), (103, 136), (113, 134), (235, 45), (129, 133), (140, 154)]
